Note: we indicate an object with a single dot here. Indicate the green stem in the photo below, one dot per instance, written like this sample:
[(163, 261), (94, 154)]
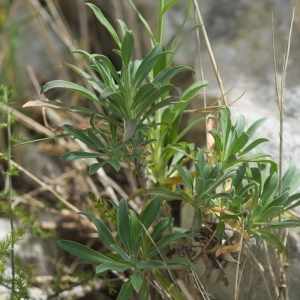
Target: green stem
[(160, 22)]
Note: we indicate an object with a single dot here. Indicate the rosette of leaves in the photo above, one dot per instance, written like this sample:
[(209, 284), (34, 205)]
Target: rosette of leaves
[(232, 144), (201, 187), (136, 250), (130, 101)]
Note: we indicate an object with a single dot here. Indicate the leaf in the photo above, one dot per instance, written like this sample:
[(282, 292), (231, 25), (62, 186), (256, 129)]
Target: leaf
[(129, 127), (97, 85), (273, 240), (150, 264), (95, 167), (275, 225), (147, 65), (179, 261), (103, 232), (120, 251), (220, 230), (127, 48), (238, 144), (186, 177), (165, 75), (165, 241), (269, 189), (169, 287), (253, 145), (97, 142), (59, 105), (289, 175), (251, 130), (126, 290), (79, 154), (104, 22), (160, 227), (69, 86), (115, 163), (150, 211), (78, 134), (230, 248), (117, 266), (136, 280), (124, 227), (264, 214), (193, 89), (168, 5), (89, 255), (123, 26), (165, 193)]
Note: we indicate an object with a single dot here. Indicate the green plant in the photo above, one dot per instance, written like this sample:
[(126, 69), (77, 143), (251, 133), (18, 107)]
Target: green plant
[(136, 250), (233, 186)]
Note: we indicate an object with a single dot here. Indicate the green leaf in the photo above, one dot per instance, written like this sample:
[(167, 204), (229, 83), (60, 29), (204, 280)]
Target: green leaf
[(264, 214), (109, 66), (179, 261), (79, 154), (123, 26), (78, 134), (129, 127), (150, 211), (137, 247), (127, 48), (120, 251), (251, 130), (186, 177), (269, 189), (275, 225), (69, 86), (273, 240), (104, 22), (160, 227), (96, 84), (126, 290), (115, 163), (144, 292), (193, 89), (220, 230), (97, 142), (165, 241), (289, 175), (165, 193), (124, 227), (226, 125), (240, 125), (165, 75), (238, 144), (103, 232), (95, 167), (117, 266), (168, 5), (89, 255), (136, 280), (168, 286), (215, 171), (253, 145), (150, 264), (147, 65), (240, 174)]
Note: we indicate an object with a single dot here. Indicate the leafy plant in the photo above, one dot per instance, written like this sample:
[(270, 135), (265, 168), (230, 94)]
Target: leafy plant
[(137, 248)]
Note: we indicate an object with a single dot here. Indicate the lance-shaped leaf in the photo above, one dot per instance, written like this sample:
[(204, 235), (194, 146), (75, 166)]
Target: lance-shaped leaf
[(129, 127), (78, 134), (96, 84), (69, 86), (127, 48), (251, 130), (165, 75), (79, 154), (59, 105), (186, 177), (126, 290), (87, 254), (117, 266), (103, 232), (124, 227), (150, 211), (99, 15)]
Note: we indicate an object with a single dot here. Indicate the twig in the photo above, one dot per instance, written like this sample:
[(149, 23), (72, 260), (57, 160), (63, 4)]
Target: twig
[(210, 52), (236, 289)]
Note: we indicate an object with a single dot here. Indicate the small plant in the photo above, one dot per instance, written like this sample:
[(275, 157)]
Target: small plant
[(233, 187)]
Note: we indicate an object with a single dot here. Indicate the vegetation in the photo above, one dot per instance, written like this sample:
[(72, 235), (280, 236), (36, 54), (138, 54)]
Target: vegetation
[(237, 196)]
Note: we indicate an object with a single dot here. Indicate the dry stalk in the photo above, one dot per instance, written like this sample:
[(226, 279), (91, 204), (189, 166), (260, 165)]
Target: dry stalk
[(210, 52), (283, 291), (236, 287)]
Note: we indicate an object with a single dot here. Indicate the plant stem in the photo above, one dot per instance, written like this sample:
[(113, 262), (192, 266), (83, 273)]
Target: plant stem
[(8, 188), (160, 22)]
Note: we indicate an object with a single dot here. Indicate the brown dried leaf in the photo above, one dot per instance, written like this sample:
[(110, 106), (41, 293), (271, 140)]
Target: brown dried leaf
[(230, 248)]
